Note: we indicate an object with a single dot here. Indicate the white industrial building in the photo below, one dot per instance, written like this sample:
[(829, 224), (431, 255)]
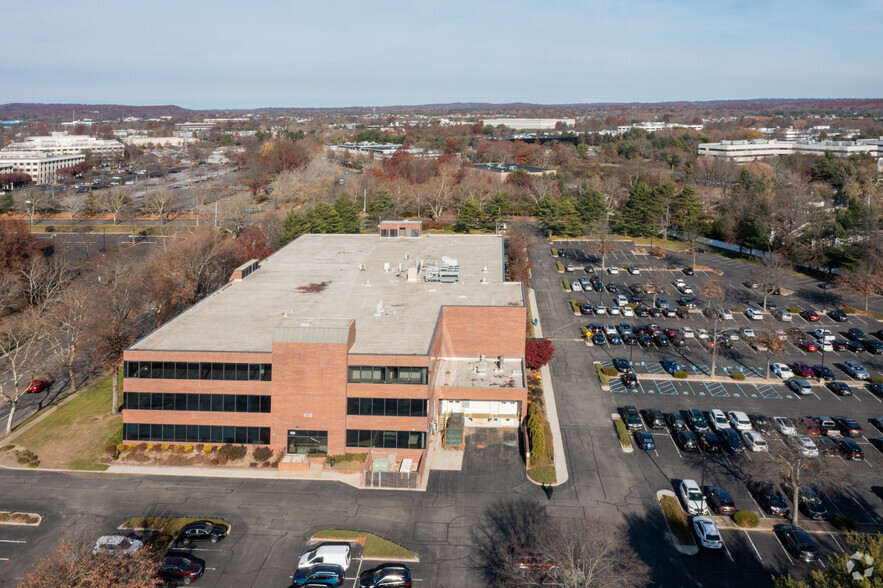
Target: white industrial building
[(60, 143), (41, 166), (741, 151), (378, 150), (539, 124)]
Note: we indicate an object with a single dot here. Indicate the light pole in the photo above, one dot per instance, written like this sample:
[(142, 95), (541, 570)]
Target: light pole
[(30, 212)]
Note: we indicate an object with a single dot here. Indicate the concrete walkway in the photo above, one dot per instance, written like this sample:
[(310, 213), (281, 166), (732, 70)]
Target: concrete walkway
[(561, 474)]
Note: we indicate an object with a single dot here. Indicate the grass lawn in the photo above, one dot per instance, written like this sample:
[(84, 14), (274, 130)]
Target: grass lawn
[(543, 474), (75, 435), (168, 527), (376, 547), (677, 520)]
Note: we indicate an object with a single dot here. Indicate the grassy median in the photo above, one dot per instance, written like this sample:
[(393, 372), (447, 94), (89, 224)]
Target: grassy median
[(375, 546)]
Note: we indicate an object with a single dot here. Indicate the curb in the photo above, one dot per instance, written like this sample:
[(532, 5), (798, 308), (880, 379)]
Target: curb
[(625, 449), (18, 524)]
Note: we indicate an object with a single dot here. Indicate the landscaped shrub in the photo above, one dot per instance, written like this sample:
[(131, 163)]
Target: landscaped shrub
[(794, 310), (537, 353), (738, 309), (738, 376), (560, 267), (567, 287), (262, 453), (876, 380), (746, 518), (6, 447), (680, 375), (200, 447), (112, 451), (610, 371), (554, 252), (265, 464), (345, 457), (23, 460), (847, 309), (604, 380), (672, 266), (121, 447), (623, 433), (142, 447), (233, 452), (215, 462), (208, 448), (188, 448), (843, 523), (536, 430)]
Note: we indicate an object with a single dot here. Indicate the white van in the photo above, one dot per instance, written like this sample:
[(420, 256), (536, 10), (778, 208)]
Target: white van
[(326, 554)]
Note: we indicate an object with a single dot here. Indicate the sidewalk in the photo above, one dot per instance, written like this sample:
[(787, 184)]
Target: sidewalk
[(551, 408)]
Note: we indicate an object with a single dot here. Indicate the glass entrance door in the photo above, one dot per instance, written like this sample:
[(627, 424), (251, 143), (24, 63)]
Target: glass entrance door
[(305, 441)]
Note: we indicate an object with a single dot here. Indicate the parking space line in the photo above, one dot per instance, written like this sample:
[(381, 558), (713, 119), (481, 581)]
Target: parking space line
[(837, 543), (717, 390), (748, 536), (666, 388), (768, 392), (779, 541)]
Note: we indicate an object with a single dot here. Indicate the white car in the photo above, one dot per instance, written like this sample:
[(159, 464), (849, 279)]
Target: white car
[(692, 497), (719, 420), (575, 286), (725, 314), (706, 531), (613, 270), (754, 441), (627, 311), (825, 345), (688, 333), (753, 314), (610, 330), (823, 334), (804, 445), (739, 420), (634, 270), (117, 545), (621, 300), (783, 315), (702, 333), (686, 289), (783, 370), (746, 333), (613, 309), (678, 283), (600, 309), (784, 425)]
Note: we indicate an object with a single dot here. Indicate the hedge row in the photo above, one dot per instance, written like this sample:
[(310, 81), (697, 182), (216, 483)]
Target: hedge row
[(535, 429), (560, 266), (554, 252), (574, 305), (623, 433), (680, 375), (746, 518), (567, 287), (604, 380)]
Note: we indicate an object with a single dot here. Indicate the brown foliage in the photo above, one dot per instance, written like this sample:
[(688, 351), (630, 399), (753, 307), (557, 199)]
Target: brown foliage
[(16, 244), (74, 564), (252, 244)]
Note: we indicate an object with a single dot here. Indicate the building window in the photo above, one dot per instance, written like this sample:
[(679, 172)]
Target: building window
[(363, 374), (196, 434), (408, 407), (306, 441), (169, 370), (415, 232), (384, 233), (385, 439), (196, 402)]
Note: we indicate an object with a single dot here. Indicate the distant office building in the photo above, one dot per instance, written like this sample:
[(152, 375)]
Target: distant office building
[(741, 151), (378, 150), (530, 123), (216, 121), (193, 129), (503, 170), (41, 166), (162, 141), (60, 143), (6, 167)]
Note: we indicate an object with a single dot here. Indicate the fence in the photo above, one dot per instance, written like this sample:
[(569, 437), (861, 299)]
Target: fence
[(391, 480)]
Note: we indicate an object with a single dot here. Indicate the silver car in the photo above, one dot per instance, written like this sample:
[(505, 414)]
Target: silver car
[(754, 441), (804, 445)]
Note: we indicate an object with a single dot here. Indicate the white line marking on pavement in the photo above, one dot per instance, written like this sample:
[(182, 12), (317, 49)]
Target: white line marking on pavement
[(779, 541), (12, 541), (748, 536), (837, 543)]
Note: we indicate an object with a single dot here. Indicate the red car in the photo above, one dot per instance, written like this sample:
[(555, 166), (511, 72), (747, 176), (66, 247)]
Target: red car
[(808, 345), (39, 384), (802, 369), (810, 315), (180, 568)]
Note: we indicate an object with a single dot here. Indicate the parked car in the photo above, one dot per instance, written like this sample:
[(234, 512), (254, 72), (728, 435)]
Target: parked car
[(782, 370), (799, 543), (718, 420), (753, 314), (688, 271), (622, 364), (828, 447), (202, 531), (629, 380), (783, 315), (827, 426), (784, 425), (395, 575), (877, 422), (725, 314), (719, 500), (39, 385), (732, 441), (635, 270), (670, 365), (654, 418), (873, 347), (632, 417), (691, 495), (839, 388), (848, 427), (707, 533), (754, 441), (856, 370), (804, 445), (849, 449), (117, 545), (808, 345), (710, 442), (675, 421), (686, 440), (839, 345), (319, 575), (179, 569), (810, 315), (697, 421), (810, 504), (760, 422), (838, 315), (856, 335), (644, 440), (808, 426), (770, 499), (822, 373), (739, 420), (598, 339), (802, 369), (799, 385), (326, 554), (613, 270)]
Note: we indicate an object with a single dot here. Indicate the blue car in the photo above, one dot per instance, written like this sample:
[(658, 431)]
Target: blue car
[(670, 365), (320, 575), (614, 339), (645, 441)]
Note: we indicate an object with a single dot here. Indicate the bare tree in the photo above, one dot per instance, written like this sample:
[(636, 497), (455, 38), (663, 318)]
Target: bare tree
[(602, 244), (200, 197), (713, 291), (75, 563), (19, 351), (72, 203), (44, 279), (440, 189), (72, 320), (774, 345), (865, 278), (769, 273), (303, 186), (114, 201), (31, 202), (159, 203)]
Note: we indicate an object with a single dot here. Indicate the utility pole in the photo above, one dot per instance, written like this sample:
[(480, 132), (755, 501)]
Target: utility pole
[(216, 214), (365, 202)]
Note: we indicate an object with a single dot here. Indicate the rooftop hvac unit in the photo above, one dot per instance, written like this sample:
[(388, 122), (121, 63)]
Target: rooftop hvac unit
[(361, 267)]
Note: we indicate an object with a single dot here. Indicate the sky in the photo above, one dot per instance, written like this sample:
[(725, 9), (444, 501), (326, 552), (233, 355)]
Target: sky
[(319, 53)]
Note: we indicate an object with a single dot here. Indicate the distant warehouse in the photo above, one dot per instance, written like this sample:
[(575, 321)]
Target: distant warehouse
[(741, 151), (340, 343)]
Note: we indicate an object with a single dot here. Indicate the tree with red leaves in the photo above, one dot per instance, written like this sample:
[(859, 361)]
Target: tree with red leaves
[(252, 244), (538, 352), (13, 179), (75, 170), (16, 244)]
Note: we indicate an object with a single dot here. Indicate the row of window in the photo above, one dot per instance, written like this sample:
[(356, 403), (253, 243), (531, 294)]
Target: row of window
[(196, 434), (177, 370), (414, 407), (196, 402), (366, 374), (385, 439)]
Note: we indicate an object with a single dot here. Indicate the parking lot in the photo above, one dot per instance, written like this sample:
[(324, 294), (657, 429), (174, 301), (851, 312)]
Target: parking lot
[(747, 554)]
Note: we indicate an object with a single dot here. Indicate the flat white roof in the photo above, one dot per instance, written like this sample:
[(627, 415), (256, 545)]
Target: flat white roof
[(320, 277)]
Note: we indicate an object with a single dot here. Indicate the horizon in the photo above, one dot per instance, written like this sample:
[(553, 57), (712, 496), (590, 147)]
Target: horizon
[(303, 55)]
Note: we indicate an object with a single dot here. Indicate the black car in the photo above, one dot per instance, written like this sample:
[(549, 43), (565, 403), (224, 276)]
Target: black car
[(679, 341), (654, 418), (839, 388), (682, 313), (203, 531), (641, 330), (179, 569), (838, 315), (878, 422), (585, 308), (387, 575), (770, 499), (697, 421), (855, 346), (598, 339), (629, 380), (596, 328), (611, 287), (849, 449), (848, 427), (810, 504), (827, 447), (839, 344), (629, 339), (631, 417), (622, 364), (822, 372), (642, 311), (856, 335), (876, 388), (709, 442), (799, 543), (760, 422), (874, 347), (645, 340), (877, 442), (732, 441), (686, 440), (662, 340), (719, 500), (655, 312), (688, 271), (676, 422)]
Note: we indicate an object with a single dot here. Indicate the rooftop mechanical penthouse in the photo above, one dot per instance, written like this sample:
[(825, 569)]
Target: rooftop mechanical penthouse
[(339, 343)]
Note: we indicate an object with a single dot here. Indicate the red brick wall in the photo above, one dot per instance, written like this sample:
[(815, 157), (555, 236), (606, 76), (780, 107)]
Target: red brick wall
[(471, 331)]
